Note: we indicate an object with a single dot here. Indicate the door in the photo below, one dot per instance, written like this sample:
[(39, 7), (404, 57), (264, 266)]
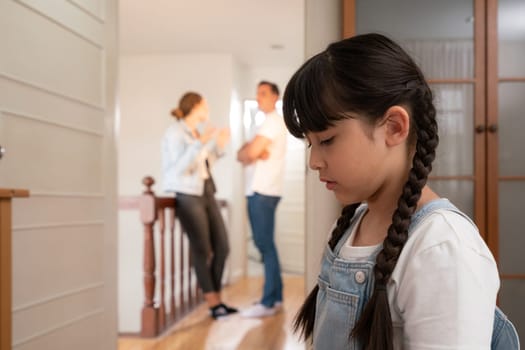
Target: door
[(57, 115), (471, 51), (506, 162)]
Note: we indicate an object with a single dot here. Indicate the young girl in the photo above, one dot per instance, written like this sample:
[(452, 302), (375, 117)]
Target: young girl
[(186, 158), (404, 269)]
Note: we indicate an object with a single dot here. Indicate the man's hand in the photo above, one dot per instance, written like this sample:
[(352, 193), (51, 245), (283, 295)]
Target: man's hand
[(264, 155)]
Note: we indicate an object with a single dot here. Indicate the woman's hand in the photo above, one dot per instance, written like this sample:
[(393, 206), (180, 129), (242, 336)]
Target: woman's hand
[(208, 133), (223, 137)]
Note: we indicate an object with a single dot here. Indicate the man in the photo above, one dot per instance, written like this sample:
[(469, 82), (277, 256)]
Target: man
[(263, 158)]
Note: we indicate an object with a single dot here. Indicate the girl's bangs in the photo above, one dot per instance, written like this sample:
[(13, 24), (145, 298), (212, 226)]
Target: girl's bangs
[(309, 104)]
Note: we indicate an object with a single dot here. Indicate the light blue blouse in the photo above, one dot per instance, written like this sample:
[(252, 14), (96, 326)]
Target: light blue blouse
[(184, 160)]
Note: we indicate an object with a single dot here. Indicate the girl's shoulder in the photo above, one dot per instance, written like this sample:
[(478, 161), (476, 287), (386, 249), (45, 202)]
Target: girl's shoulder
[(446, 226)]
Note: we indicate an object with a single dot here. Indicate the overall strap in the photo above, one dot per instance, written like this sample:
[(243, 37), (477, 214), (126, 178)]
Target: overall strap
[(431, 207), (417, 218), (358, 212)]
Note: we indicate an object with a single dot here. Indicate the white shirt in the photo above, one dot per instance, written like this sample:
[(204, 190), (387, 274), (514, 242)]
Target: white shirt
[(442, 292), (267, 176)]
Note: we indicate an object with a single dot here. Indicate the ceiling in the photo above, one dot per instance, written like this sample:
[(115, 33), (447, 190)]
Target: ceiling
[(267, 33)]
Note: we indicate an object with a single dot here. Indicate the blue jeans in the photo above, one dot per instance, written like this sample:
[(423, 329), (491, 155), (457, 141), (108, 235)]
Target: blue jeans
[(261, 211)]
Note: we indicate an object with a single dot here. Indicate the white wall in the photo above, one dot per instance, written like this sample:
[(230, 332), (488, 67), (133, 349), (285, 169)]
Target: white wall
[(277, 75), (323, 25), (57, 115), (150, 86)]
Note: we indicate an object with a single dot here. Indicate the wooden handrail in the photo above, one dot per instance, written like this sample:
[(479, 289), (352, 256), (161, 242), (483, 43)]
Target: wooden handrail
[(160, 212), (6, 195)]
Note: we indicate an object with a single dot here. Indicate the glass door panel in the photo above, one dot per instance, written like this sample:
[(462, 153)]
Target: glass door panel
[(438, 34), (511, 160), (455, 113), (511, 34), (459, 192), (511, 127)]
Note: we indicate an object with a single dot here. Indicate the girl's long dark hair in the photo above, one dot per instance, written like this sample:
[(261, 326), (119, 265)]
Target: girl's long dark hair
[(366, 75)]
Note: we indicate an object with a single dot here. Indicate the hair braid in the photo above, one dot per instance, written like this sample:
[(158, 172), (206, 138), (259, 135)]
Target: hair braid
[(304, 320), (374, 327)]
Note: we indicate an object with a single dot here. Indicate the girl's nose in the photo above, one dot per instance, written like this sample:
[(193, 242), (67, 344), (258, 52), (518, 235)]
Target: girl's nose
[(315, 162)]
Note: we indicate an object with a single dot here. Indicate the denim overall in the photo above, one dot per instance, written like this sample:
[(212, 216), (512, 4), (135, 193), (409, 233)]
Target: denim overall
[(345, 287)]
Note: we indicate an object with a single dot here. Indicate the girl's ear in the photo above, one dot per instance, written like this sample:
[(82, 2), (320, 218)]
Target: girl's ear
[(397, 125)]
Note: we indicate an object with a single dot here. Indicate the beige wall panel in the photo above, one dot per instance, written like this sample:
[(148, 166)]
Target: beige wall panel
[(44, 209), (42, 315), (71, 16), (323, 25), (291, 251), (290, 220), (94, 8), (52, 152), (39, 51), (52, 261), (72, 335), (21, 98), (130, 275)]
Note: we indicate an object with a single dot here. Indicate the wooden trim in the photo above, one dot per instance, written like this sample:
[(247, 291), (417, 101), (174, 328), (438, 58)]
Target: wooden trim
[(491, 98), (453, 81), (511, 178), (5, 273), (132, 202), (512, 80), (348, 18), (165, 202), (513, 277), (13, 192), (457, 177), (6, 267), (480, 162)]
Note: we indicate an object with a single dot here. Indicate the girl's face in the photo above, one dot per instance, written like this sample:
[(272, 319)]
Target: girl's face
[(352, 159)]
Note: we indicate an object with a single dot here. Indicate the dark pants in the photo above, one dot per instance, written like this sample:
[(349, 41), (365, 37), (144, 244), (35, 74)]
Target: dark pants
[(201, 219)]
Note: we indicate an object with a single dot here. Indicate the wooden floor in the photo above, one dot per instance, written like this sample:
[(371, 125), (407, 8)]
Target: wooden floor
[(199, 331)]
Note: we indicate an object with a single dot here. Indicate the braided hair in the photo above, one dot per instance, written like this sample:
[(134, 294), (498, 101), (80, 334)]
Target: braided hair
[(366, 75)]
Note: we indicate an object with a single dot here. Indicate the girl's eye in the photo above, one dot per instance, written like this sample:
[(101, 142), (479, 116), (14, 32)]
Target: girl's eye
[(327, 141)]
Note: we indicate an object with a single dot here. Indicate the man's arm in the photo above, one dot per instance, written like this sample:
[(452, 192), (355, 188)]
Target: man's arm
[(253, 150)]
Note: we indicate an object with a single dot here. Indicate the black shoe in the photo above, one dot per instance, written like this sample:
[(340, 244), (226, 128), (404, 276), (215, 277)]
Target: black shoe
[(222, 311), (230, 309)]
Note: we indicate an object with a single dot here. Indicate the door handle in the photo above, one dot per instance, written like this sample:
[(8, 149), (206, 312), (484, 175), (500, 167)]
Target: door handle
[(493, 128), (480, 128), (2, 151)]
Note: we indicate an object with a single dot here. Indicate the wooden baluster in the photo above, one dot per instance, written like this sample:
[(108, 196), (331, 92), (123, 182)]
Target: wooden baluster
[(150, 326), (192, 277), (162, 305), (171, 215), (195, 286), (182, 304)]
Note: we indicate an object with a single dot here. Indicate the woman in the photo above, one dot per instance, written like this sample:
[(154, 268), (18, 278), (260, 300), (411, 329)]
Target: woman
[(187, 155)]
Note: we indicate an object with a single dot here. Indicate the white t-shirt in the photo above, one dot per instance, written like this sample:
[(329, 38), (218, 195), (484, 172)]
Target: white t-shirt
[(442, 292), (267, 176)]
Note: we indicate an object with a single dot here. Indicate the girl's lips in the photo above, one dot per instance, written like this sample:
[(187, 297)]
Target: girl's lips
[(330, 185)]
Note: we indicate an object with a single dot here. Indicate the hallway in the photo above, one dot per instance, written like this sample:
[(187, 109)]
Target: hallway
[(198, 331)]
